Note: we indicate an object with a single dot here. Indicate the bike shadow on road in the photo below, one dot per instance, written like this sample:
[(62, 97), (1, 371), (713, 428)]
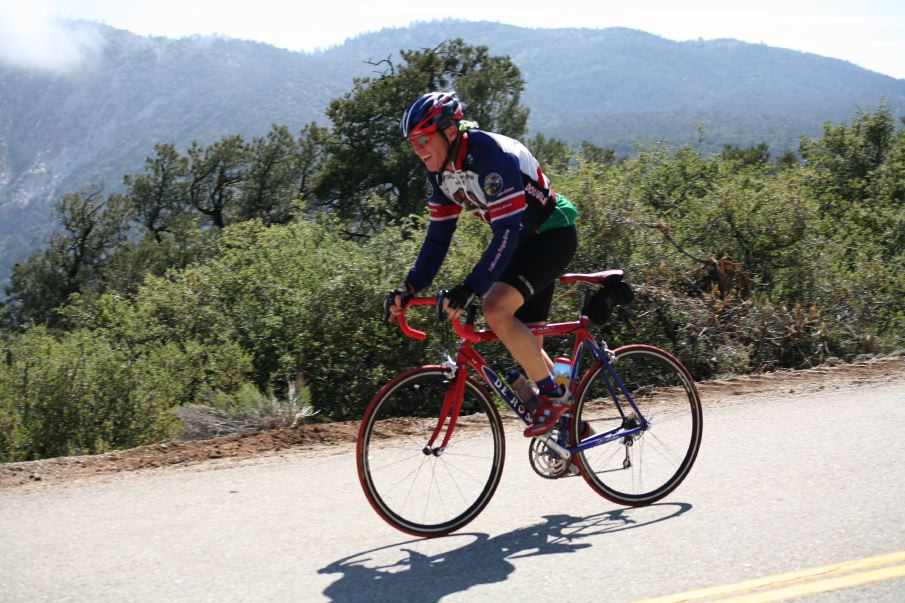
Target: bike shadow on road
[(428, 569)]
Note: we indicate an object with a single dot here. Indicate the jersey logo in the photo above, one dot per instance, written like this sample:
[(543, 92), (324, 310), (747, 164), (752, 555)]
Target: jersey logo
[(532, 191), (493, 184)]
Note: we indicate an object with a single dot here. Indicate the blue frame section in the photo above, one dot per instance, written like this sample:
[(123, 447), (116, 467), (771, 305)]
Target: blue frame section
[(518, 407), (614, 434)]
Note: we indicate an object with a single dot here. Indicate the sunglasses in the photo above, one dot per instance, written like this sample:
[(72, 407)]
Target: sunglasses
[(422, 139)]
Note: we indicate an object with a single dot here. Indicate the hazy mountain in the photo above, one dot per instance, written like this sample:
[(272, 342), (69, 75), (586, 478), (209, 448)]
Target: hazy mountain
[(60, 130), (617, 86)]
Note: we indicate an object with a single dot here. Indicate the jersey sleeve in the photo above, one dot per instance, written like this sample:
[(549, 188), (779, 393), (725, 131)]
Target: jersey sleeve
[(504, 193), (495, 258), (444, 217)]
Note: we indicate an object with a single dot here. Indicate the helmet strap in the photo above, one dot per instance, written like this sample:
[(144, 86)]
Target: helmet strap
[(452, 149)]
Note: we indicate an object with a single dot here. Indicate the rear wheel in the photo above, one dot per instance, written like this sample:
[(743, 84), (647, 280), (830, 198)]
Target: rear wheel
[(422, 491), (639, 469)]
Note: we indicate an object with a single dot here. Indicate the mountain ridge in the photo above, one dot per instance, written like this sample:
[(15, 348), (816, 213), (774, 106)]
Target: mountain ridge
[(622, 87)]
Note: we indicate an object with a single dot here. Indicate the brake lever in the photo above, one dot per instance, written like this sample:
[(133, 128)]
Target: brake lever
[(471, 314), (441, 296), (386, 311)]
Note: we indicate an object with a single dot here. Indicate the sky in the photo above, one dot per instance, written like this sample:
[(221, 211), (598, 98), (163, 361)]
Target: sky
[(868, 33)]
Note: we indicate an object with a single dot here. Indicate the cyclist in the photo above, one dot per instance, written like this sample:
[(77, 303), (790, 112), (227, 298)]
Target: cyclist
[(534, 236)]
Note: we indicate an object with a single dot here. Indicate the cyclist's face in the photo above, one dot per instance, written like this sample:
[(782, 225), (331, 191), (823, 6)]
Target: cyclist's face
[(431, 149)]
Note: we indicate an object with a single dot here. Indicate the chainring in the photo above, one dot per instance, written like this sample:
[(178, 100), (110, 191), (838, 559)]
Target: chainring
[(544, 461)]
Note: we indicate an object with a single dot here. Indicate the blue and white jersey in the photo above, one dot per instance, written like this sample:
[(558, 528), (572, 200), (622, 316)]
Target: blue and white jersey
[(498, 180)]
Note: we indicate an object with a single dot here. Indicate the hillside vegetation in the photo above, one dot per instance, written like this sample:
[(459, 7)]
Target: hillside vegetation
[(245, 277)]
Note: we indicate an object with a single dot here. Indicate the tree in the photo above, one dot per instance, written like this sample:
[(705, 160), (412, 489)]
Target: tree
[(591, 153), (215, 173), (553, 154), (92, 228), (756, 155), (268, 188), (370, 175), (844, 159), (309, 160), (158, 196)]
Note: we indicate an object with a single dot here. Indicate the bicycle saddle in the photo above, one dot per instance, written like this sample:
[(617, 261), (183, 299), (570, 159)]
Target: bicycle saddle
[(594, 277)]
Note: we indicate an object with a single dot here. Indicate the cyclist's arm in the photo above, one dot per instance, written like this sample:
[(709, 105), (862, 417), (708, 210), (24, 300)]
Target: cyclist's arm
[(498, 253), (444, 218)]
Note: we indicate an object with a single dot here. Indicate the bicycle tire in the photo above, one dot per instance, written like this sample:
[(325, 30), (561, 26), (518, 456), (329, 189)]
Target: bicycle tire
[(641, 469), (418, 492)]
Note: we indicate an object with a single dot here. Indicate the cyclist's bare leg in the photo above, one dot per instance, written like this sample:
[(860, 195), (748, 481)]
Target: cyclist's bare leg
[(540, 344), (500, 306)]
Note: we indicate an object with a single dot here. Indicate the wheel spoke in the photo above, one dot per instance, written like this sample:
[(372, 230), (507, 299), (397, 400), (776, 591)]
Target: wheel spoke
[(664, 449)]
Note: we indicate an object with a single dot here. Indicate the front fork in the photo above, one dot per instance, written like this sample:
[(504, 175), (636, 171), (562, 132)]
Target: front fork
[(449, 412)]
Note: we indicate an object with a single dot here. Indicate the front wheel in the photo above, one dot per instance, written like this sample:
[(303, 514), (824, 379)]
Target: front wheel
[(419, 490), (643, 467)]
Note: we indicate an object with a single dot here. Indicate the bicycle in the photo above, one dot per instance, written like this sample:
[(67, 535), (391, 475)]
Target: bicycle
[(633, 435)]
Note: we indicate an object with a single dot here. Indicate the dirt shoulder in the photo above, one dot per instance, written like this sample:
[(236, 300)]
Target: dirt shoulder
[(314, 438), (337, 437)]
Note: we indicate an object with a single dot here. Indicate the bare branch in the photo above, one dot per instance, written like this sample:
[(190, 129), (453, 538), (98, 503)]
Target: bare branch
[(391, 68), (663, 227)]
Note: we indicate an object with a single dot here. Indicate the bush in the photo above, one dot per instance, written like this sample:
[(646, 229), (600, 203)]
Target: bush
[(82, 393)]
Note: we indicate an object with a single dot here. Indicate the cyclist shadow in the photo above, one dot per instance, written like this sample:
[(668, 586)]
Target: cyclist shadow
[(398, 572)]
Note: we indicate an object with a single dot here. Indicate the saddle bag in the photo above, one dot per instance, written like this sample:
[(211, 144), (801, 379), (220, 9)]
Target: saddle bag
[(613, 291)]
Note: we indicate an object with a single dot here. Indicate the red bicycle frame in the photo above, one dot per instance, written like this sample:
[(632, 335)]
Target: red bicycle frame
[(467, 356)]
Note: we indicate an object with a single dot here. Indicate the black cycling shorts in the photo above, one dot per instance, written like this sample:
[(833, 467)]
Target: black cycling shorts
[(535, 268)]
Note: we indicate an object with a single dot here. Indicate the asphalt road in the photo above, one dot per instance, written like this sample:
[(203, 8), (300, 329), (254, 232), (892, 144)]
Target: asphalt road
[(784, 483)]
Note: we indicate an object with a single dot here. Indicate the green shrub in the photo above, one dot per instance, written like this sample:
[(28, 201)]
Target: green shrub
[(81, 393)]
